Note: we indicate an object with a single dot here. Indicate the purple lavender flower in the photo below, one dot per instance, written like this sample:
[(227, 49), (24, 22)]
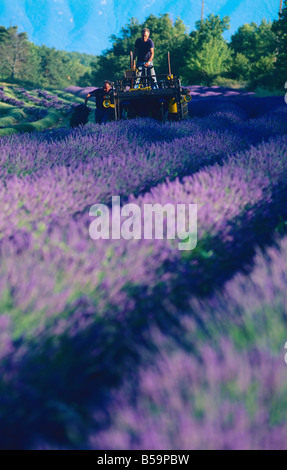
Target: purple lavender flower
[(94, 310)]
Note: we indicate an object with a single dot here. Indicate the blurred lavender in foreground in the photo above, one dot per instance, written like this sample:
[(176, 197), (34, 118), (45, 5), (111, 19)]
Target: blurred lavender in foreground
[(75, 312), (222, 389)]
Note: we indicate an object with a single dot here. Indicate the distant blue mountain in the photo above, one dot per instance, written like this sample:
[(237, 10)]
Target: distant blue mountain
[(86, 25)]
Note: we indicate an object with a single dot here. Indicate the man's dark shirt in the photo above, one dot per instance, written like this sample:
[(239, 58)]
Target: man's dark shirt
[(102, 95), (144, 48)]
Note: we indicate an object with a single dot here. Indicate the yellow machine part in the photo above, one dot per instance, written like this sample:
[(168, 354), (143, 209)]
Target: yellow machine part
[(172, 106), (141, 88), (108, 104), (186, 99)]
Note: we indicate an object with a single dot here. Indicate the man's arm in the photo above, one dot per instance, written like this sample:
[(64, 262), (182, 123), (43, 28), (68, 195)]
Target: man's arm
[(134, 57), (92, 93), (147, 64)]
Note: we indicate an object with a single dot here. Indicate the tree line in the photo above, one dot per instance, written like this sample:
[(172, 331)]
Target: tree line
[(23, 61), (256, 54)]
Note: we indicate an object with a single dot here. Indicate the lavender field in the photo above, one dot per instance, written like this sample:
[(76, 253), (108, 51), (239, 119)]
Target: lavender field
[(134, 344), (36, 110)]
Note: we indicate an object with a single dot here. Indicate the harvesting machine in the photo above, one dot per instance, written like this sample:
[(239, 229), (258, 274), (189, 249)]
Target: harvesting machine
[(135, 97)]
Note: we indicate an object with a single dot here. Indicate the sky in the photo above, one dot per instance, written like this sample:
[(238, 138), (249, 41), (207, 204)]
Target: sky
[(86, 25)]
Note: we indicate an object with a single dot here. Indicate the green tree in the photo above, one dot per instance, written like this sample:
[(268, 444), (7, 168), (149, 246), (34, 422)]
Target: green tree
[(14, 48), (253, 41), (212, 57), (244, 41), (23, 61), (88, 79), (30, 71), (4, 41), (212, 27), (262, 72), (53, 71), (241, 67), (254, 49), (73, 68), (57, 69), (280, 29), (208, 54), (83, 58), (265, 40)]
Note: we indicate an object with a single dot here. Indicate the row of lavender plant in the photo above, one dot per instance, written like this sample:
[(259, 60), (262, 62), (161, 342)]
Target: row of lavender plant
[(74, 188), (46, 100), (79, 185), (125, 160), (48, 96), (223, 387), (90, 302), (64, 104), (9, 100)]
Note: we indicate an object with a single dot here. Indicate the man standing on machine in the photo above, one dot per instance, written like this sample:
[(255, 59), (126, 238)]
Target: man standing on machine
[(144, 51)]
